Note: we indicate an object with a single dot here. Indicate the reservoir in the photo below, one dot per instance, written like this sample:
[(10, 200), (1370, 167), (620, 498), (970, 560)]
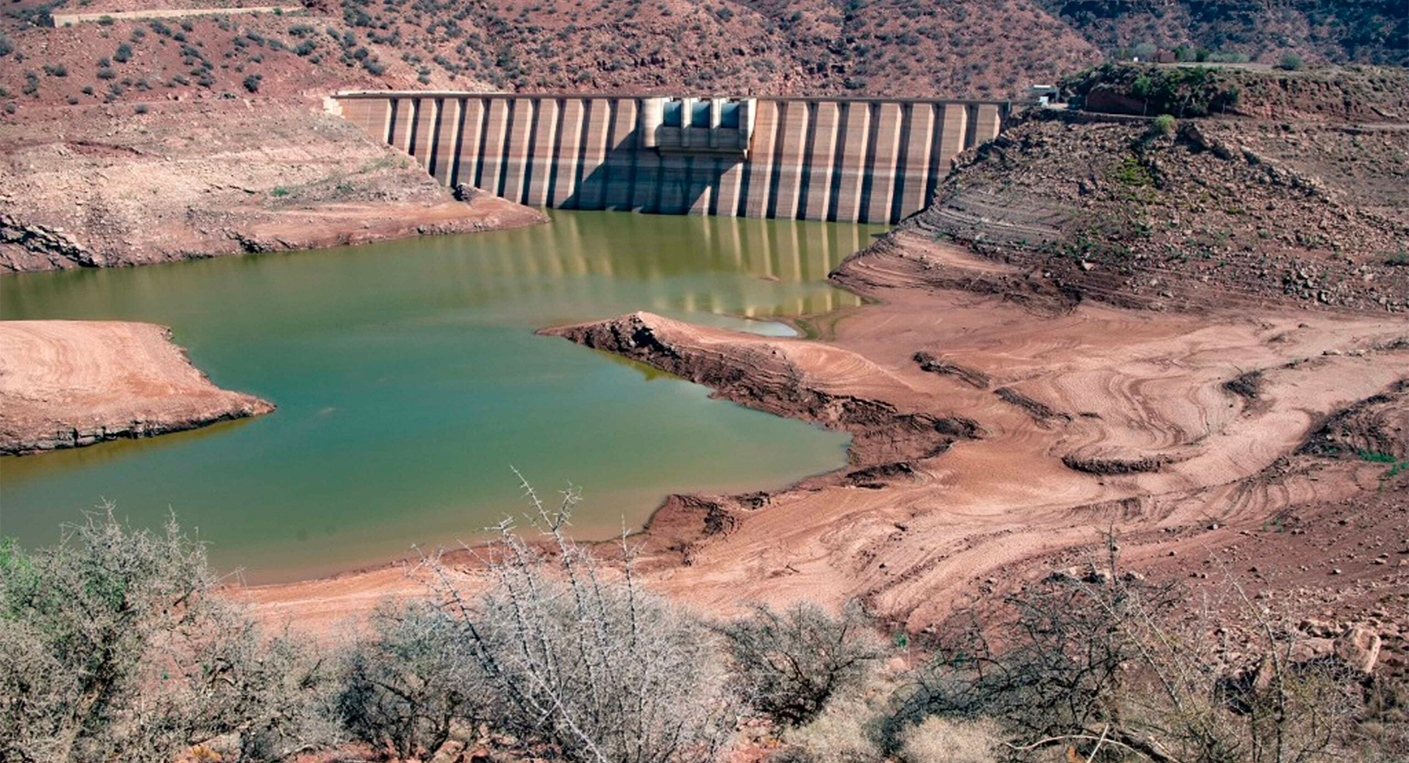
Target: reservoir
[(408, 381)]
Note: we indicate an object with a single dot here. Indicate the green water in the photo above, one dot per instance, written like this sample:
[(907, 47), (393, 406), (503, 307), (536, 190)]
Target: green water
[(408, 380)]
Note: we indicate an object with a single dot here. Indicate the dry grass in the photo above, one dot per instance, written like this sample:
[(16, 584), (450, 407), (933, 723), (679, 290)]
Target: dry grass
[(942, 740)]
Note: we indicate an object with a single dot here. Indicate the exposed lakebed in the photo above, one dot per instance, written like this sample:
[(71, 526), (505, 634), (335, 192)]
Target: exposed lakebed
[(408, 380)]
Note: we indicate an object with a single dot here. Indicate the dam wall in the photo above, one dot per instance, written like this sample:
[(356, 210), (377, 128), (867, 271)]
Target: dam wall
[(841, 159)]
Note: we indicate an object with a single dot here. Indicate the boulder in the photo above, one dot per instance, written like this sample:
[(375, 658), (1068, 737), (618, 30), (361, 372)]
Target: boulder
[(1359, 648), (1310, 650)]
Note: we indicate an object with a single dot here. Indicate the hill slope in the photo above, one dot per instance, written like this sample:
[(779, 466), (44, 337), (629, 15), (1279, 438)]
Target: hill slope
[(1310, 207), (1342, 31)]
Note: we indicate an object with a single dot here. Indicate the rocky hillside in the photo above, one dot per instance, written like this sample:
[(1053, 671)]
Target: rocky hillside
[(1177, 213), (1339, 31), (863, 47), (887, 47), (1358, 94)]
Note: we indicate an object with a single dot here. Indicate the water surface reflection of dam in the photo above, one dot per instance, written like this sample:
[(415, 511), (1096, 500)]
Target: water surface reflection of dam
[(582, 261), (835, 159)]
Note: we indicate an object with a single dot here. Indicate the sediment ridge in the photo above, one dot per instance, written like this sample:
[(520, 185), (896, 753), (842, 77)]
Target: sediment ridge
[(67, 384)]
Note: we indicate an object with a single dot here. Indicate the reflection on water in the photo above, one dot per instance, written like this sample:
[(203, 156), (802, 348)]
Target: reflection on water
[(408, 379), (578, 257)]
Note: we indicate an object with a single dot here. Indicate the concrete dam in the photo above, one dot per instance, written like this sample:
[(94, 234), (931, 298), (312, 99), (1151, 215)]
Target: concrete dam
[(840, 159)]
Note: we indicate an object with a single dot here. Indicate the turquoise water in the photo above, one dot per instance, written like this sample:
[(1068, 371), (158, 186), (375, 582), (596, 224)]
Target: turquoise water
[(408, 381)]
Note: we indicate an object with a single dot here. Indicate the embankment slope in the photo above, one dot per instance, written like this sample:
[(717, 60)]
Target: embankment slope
[(65, 384)]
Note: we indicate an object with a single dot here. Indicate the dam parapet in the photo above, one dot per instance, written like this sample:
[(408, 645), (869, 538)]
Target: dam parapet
[(842, 159)]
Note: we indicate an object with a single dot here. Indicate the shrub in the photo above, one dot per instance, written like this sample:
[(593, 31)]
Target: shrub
[(1291, 62), (849, 728), (123, 54), (839, 735), (788, 664), (405, 687), (107, 72), (251, 82), (598, 669), (140, 108), (1133, 172), (1163, 124), (56, 70), (113, 648), (1185, 91), (7, 46), (1098, 654), (280, 192)]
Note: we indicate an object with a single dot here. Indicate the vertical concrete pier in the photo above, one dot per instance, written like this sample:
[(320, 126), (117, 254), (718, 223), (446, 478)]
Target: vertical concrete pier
[(844, 159)]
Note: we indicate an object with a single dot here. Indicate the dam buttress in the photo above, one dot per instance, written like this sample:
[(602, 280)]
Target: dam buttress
[(841, 159)]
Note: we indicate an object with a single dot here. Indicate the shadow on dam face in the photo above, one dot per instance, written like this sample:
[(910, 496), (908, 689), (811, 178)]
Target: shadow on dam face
[(838, 159)]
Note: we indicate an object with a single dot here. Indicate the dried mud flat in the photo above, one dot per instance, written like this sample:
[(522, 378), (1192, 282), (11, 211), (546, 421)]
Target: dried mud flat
[(65, 384), (1183, 433)]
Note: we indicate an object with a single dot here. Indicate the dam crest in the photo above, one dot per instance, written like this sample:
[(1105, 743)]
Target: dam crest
[(870, 160)]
